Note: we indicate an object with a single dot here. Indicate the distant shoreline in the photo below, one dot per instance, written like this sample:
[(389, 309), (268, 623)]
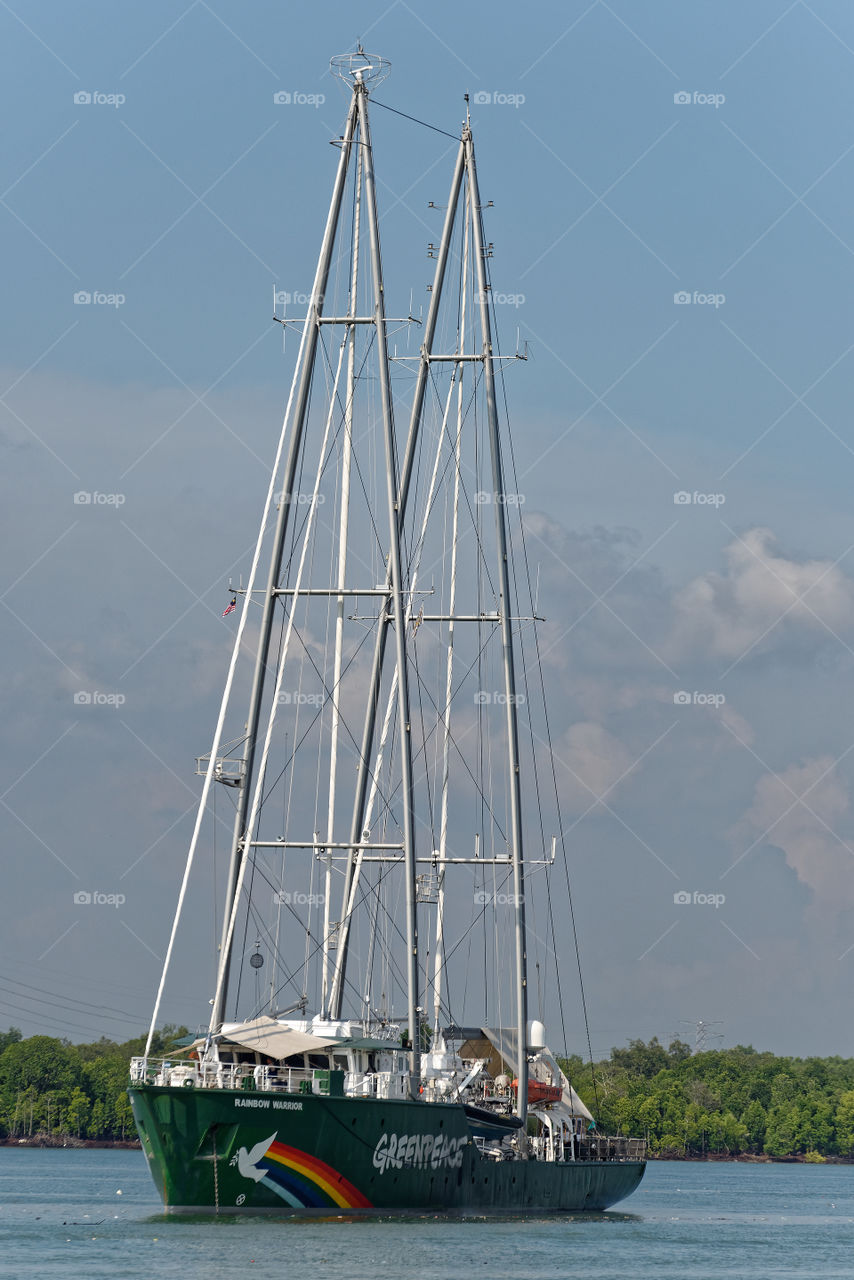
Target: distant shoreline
[(67, 1143), (716, 1157)]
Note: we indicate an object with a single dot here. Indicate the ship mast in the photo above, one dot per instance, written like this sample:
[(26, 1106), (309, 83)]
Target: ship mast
[(465, 176), (439, 958), (504, 608), (396, 602), (303, 378), (346, 469), (361, 71), (361, 799)]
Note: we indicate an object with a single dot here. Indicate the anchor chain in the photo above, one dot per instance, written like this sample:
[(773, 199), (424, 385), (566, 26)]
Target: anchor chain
[(216, 1174)]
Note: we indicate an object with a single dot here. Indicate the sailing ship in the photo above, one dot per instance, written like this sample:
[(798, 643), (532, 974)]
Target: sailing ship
[(370, 1048)]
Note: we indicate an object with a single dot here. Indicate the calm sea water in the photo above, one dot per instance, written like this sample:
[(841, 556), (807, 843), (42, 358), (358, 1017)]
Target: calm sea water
[(60, 1215)]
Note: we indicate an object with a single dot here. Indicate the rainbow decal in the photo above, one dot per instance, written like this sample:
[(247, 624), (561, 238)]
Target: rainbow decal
[(306, 1182)]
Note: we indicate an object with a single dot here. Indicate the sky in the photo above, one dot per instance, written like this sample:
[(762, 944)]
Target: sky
[(671, 190)]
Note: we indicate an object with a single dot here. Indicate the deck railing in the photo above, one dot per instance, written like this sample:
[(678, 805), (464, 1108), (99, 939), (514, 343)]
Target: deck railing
[(596, 1148), (223, 1075)]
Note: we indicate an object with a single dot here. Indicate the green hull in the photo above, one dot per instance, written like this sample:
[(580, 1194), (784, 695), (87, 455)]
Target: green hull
[(242, 1152)]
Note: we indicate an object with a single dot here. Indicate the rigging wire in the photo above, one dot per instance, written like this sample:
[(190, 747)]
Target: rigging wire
[(67, 1002), (16, 1009), (376, 103), (318, 944)]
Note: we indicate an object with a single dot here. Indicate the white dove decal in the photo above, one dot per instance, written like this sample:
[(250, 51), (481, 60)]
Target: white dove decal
[(247, 1160)]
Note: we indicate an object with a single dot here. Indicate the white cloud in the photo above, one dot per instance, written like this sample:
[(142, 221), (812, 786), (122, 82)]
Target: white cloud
[(804, 811), (725, 614), (590, 760)]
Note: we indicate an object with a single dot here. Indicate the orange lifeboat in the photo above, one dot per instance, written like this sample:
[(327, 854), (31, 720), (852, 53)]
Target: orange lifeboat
[(539, 1092)]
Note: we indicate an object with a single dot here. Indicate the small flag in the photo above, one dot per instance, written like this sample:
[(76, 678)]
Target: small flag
[(230, 608)]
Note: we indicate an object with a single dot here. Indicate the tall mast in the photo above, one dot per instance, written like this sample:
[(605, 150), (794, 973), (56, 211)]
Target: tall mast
[(357, 132), (311, 334), (439, 957), (396, 597), (465, 169), (369, 730), (346, 468), (504, 607)]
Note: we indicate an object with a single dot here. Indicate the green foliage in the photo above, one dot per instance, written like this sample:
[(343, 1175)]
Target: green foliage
[(727, 1101), (9, 1037), (123, 1115), (755, 1123), (40, 1062), (97, 1127), (77, 1114), (52, 1087), (845, 1123), (642, 1059)]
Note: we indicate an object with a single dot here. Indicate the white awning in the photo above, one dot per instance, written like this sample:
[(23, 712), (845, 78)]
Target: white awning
[(266, 1035)]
